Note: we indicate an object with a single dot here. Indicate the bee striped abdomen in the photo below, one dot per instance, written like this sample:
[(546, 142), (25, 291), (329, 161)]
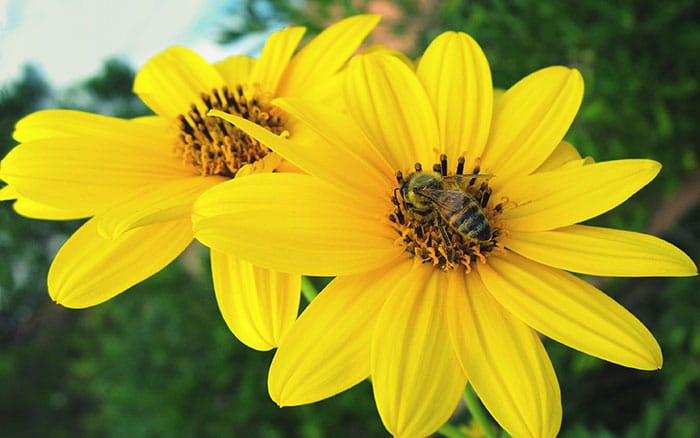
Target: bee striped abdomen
[(470, 220)]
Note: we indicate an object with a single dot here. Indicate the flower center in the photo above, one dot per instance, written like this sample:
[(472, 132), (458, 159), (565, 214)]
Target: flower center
[(215, 147), (447, 220)]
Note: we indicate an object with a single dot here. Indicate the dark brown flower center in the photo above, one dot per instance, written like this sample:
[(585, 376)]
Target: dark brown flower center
[(213, 146), (448, 220)]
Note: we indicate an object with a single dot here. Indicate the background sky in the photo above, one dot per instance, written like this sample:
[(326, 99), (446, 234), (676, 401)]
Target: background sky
[(69, 39)]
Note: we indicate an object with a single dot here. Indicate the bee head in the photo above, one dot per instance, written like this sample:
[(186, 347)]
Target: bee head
[(415, 184)]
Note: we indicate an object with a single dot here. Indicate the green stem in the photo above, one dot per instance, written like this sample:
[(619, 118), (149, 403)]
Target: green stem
[(478, 414), (451, 431), (308, 289)]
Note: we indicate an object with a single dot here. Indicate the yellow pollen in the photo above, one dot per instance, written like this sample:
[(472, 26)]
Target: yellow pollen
[(213, 146), (447, 219)]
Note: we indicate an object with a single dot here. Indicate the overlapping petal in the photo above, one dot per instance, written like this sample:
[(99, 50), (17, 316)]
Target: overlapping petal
[(8, 193), (564, 153), (571, 311), (36, 210), (328, 349), (274, 58), (258, 305), (161, 202), (416, 377), (172, 81), (389, 103), (603, 251), (235, 70), (140, 136), (56, 123), (324, 55), (293, 223), (83, 172), (457, 79), (564, 197), (530, 120), (354, 166), (504, 360), (89, 269)]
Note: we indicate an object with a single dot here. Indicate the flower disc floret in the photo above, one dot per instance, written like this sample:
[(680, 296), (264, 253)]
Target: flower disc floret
[(213, 147), (447, 220)]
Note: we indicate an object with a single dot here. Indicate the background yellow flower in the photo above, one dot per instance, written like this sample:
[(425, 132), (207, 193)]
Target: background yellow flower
[(137, 179)]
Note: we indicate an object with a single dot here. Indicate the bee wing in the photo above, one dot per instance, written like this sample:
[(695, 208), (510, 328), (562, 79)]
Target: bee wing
[(449, 200)]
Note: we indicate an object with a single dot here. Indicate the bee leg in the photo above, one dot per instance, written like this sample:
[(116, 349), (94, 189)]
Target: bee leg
[(447, 241)]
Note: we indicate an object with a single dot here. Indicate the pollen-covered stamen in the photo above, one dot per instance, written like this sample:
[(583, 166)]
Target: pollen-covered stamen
[(213, 146), (446, 220)]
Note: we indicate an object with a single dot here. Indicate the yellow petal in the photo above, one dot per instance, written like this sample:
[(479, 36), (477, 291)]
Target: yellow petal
[(84, 173), (170, 82), (380, 48), (328, 349), (388, 102), (325, 54), (504, 360), (8, 193), (497, 95), (603, 251), (293, 223), (416, 377), (342, 156), (90, 269), (530, 121), (571, 311), (36, 210), (274, 58), (161, 202), (457, 78), (565, 152), (564, 197), (259, 305), (235, 69), (144, 135)]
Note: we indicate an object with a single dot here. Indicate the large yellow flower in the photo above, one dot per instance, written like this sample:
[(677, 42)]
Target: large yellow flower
[(441, 279), (137, 179)]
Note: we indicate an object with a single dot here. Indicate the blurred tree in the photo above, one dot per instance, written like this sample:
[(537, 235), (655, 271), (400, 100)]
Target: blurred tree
[(109, 92), (33, 399), (20, 97)]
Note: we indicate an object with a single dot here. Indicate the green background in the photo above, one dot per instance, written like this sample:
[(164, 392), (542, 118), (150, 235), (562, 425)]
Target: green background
[(159, 361)]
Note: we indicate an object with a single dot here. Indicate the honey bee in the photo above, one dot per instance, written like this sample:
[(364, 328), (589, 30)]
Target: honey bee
[(441, 199)]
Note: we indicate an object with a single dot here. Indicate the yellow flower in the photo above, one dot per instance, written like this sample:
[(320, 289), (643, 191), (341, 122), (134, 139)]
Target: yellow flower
[(137, 179), (425, 297)]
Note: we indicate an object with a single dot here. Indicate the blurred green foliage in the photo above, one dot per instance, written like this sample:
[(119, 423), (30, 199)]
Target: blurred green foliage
[(158, 360)]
